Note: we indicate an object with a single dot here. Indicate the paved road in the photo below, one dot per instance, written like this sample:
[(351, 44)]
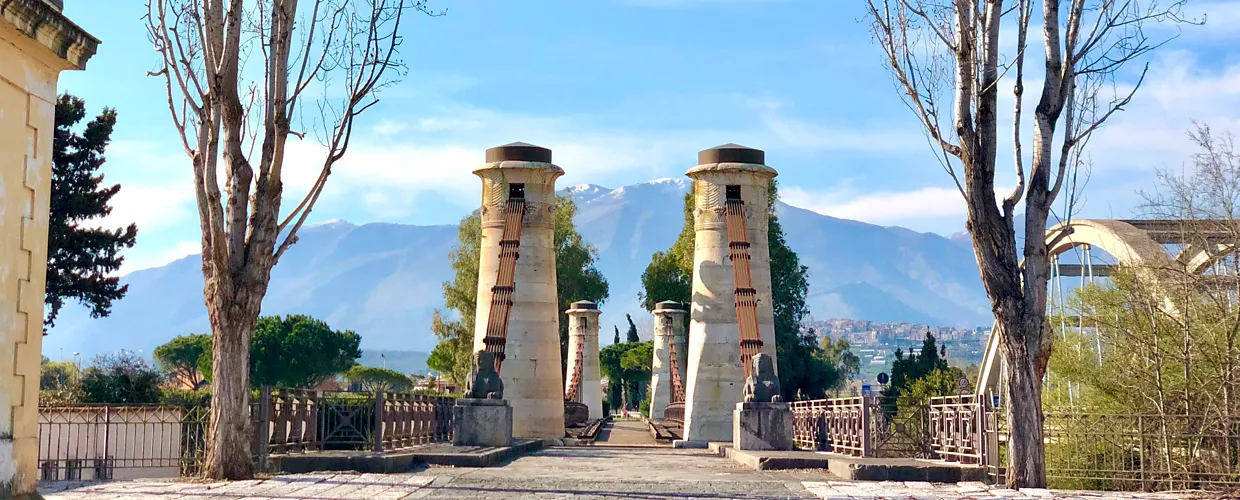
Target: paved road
[(625, 432), (586, 472)]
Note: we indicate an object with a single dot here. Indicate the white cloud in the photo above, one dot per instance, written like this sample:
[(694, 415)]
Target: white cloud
[(156, 186), (804, 134), (882, 207), (936, 209), (389, 127), (1151, 133)]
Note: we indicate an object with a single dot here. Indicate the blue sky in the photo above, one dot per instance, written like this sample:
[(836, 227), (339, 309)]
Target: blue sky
[(627, 91)]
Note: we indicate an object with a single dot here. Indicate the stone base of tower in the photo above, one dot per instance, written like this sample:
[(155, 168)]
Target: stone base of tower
[(660, 395), (481, 422), (716, 379), (762, 426)]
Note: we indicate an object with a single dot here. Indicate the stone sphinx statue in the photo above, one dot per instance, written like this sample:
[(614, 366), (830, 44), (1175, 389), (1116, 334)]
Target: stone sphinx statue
[(484, 382), (762, 386)]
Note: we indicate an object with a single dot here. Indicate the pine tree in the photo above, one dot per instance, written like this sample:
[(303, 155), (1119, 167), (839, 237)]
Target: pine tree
[(82, 258), (617, 340)]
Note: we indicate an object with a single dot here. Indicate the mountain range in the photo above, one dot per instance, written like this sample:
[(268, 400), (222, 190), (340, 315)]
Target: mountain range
[(384, 280)]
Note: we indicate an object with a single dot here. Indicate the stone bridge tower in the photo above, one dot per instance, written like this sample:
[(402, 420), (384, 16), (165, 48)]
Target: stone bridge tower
[(731, 307), (518, 315), (669, 355), (583, 329)]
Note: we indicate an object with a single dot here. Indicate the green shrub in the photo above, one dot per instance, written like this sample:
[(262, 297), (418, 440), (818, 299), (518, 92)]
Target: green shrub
[(122, 378), (184, 397)]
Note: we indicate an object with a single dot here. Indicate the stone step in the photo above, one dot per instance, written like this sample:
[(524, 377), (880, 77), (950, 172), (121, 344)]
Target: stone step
[(854, 468)]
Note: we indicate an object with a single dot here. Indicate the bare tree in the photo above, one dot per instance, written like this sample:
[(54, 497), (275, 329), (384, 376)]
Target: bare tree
[(343, 52), (947, 61)]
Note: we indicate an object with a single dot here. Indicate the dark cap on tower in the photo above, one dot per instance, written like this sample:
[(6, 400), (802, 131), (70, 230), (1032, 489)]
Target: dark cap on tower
[(731, 153), (518, 151), (669, 305), (584, 305)]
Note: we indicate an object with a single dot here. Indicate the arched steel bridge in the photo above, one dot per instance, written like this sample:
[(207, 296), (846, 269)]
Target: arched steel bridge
[(1132, 243)]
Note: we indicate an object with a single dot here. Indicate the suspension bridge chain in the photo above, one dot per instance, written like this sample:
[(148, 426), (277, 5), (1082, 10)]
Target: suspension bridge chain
[(746, 295), (505, 284), (574, 387)]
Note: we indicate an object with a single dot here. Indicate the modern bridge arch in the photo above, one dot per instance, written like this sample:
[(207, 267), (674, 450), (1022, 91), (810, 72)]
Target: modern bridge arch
[(1133, 243)]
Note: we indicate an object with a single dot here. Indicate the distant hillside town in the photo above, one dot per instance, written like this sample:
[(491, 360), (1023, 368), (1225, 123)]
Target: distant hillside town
[(875, 342)]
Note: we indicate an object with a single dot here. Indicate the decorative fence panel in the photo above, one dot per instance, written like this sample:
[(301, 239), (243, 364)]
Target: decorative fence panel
[(82, 443), (674, 415), (129, 442), (1142, 452), (1092, 450), (956, 428), (302, 421), (840, 425), (413, 419)]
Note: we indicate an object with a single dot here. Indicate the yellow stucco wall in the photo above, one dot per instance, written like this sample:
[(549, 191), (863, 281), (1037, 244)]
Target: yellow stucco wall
[(28, 73)]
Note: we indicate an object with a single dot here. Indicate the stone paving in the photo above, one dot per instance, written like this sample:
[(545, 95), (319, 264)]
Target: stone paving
[(973, 491), (588, 473), (626, 432)]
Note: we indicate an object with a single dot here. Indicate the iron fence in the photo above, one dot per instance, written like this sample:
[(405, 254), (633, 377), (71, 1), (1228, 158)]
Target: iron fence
[(412, 419), (297, 421), (839, 425), (674, 416), (833, 425), (958, 430), (83, 443), (1141, 452), (1091, 450)]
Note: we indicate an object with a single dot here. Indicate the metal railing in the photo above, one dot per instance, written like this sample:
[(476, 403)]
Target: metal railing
[(1091, 450), (298, 421), (841, 425), (958, 430), (674, 416), (83, 443), (1141, 452)]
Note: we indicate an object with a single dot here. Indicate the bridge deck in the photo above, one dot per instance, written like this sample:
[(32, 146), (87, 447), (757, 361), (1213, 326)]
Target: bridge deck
[(625, 432), (569, 472)]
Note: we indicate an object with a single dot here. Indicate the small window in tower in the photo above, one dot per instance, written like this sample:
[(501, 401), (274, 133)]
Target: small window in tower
[(734, 192), (516, 191)]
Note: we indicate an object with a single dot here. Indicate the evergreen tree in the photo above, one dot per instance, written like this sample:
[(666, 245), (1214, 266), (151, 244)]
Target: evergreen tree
[(929, 364), (81, 258), (320, 352), (617, 339), (631, 335)]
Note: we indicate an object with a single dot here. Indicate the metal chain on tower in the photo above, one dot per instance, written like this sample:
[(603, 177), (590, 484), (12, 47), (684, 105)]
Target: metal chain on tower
[(505, 284), (574, 387), (746, 295), (678, 388)]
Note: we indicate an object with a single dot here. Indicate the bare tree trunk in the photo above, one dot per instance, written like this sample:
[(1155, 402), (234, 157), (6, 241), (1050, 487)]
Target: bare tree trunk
[(228, 452), (1026, 456), (346, 48)]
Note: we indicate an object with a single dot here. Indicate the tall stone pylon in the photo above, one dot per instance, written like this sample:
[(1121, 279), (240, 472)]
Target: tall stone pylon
[(585, 383), (731, 186), (667, 367), (518, 316)]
